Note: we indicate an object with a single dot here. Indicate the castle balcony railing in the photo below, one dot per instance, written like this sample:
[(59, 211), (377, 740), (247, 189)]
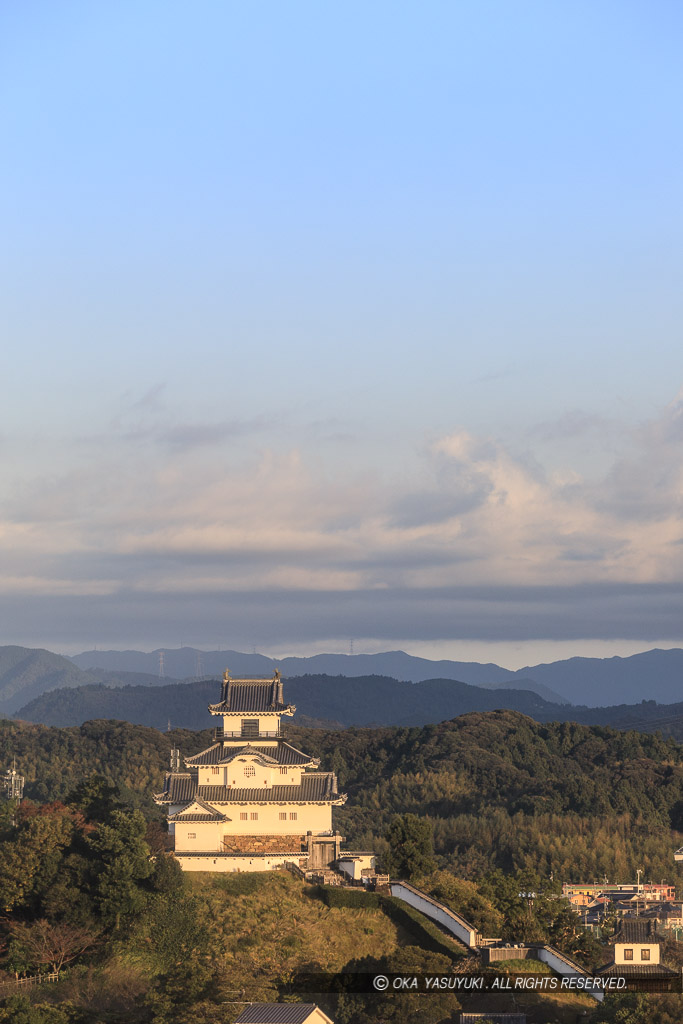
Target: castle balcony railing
[(245, 734)]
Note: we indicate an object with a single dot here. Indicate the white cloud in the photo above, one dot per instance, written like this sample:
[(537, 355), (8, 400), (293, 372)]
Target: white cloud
[(469, 512)]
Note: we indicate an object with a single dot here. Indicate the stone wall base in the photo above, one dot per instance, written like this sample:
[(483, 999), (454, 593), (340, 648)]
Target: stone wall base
[(264, 844)]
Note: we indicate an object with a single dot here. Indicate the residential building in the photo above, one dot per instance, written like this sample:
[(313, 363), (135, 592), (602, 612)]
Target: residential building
[(637, 957)]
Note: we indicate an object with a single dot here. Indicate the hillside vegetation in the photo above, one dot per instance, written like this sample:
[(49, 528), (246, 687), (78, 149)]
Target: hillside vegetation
[(358, 701), (500, 790)]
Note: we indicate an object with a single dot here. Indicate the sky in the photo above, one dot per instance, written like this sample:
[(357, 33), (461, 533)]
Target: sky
[(332, 325)]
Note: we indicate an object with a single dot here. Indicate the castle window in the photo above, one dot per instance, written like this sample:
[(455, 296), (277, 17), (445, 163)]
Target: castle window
[(243, 815), (292, 815), (645, 954), (283, 771), (215, 771), (249, 769), (191, 835), (628, 954), (283, 815), (254, 815)]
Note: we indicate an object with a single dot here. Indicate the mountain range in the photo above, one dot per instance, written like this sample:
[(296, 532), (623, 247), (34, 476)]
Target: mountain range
[(455, 687), (26, 673), (594, 682), (337, 702)]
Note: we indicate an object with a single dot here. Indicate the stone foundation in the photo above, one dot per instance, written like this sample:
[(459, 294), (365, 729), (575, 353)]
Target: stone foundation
[(264, 844)]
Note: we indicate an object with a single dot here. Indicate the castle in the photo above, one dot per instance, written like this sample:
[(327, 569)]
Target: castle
[(251, 801)]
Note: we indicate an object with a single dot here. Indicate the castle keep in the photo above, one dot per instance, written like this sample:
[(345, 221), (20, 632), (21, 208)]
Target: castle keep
[(251, 801)]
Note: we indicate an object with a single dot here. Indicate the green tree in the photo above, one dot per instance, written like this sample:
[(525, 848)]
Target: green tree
[(121, 862), (96, 797), (411, 847), (167, 874)]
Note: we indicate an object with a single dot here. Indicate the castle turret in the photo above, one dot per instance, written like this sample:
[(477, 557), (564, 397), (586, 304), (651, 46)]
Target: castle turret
[(251, 801)]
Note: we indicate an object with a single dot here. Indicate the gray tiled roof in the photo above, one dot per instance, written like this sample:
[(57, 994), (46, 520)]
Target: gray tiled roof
[(281, 753), (182, 789), (205, 814), (635, 930), (494, 1018), (179, 788), (250, 695), (276, 1013), (637, 970), (314, 786)]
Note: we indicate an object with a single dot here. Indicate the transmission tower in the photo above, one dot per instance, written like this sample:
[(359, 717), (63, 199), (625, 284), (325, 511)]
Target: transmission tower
[(13, 782), (161, 664)]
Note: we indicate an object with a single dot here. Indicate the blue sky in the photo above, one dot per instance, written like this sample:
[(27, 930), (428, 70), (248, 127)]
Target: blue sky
[(335, 321)]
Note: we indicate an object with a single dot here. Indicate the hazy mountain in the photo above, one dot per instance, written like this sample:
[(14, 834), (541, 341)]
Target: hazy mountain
[(187, 662), (654, 675), (25, 673), (337, 702), (359, 701), (596, 682)]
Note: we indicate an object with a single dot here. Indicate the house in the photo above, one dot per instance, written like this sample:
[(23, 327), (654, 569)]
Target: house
[(492, 1018), (251, 801), (637, 957), (357, 866), (283, 1013)]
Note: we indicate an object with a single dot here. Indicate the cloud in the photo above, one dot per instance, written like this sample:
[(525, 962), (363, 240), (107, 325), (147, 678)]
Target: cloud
[(574, 423), (477, 540)]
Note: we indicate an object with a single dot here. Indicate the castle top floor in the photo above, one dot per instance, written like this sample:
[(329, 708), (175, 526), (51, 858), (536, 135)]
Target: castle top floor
[(262, 698)]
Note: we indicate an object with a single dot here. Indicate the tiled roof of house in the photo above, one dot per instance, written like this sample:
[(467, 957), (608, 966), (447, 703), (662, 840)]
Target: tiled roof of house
[(493, 1018), (636, 930), (281, 754), (179, 788), (315, 786), (251, 695), (637, 971), (199, 811), (277, 1013)]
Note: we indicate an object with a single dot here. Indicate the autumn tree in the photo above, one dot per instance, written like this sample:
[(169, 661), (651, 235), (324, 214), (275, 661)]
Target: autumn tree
[(52, 945)]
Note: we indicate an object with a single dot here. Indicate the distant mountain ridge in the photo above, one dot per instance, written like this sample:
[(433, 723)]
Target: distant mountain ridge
[(594, 682), (360, 701), (338, 702), (26, 673)]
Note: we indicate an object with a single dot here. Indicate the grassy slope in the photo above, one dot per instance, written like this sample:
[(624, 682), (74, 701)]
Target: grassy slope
[(261, 930)]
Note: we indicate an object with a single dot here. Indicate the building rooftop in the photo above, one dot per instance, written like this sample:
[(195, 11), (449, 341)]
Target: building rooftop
[(199, 811), (636, 930), (250, 696), (182, 788), (179, 788), (279, 1013), (282, 753), (637, 971), (315, 786)]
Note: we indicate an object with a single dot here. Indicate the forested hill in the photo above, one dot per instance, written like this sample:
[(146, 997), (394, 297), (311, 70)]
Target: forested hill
[(357, 701), (27, 672), (499, 789)]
